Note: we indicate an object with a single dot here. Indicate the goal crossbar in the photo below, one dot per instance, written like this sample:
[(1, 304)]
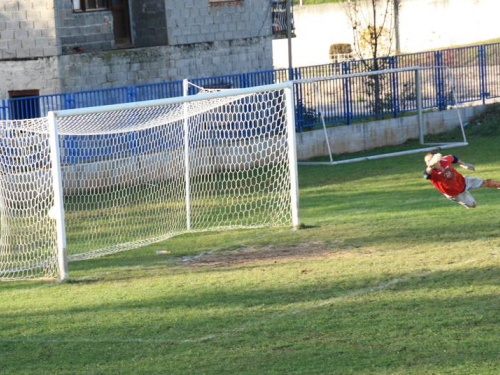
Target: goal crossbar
[(175, 100)]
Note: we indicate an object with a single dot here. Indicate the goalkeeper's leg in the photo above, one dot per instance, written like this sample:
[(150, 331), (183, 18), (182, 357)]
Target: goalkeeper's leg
[(491, 184), (465, 199)]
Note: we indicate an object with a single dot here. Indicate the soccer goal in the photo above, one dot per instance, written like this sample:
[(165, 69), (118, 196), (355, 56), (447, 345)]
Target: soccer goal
[(383, 94), (88, 182)]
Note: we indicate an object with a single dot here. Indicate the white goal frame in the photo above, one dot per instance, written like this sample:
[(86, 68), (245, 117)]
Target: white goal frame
[(286, 148), (421, 127)]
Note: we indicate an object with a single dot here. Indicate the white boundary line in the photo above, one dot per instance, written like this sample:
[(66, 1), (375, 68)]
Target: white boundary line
[(308, 306)]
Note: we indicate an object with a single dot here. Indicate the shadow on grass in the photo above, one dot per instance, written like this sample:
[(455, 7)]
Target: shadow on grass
[(435, 322), (383, 212), (27, 285), (216, 297)]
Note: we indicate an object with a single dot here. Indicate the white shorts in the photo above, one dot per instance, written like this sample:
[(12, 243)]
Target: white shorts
[(465, 198)]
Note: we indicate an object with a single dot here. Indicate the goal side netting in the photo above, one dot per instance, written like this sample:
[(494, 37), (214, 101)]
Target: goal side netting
[(125, 176), (403, 95)]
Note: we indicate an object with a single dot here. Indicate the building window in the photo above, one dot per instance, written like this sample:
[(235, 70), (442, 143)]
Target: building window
[(279, 14), (90, 5), (225, 2)]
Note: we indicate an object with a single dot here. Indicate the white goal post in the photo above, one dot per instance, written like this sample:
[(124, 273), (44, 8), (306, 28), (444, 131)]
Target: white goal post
[(411, 89), (88, 182)]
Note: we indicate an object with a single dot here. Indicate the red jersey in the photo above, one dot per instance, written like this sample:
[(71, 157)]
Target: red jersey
[(447, 180)]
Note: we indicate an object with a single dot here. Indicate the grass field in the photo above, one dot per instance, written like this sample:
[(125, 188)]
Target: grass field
[(386, 277)]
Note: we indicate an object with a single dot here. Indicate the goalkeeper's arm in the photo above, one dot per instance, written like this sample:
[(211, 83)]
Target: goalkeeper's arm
[(468, 166)]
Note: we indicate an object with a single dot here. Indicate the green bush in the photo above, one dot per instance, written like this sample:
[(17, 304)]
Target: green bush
[(487, 123)]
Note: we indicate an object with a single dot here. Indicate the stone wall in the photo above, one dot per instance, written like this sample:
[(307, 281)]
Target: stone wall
[(117, 68), (32, 74), (46, 46), (84, 32), (196, 21), (27, 29), (149, 23)]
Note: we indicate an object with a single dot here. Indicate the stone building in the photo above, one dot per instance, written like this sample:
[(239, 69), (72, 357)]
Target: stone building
[(53, 46)]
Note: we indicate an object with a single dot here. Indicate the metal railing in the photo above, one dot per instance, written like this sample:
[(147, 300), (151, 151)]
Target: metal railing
[(279, 16), (475, 72)]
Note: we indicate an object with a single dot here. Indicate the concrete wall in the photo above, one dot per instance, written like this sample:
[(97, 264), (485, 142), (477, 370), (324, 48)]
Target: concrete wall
[(33, 74), (369, 135), (87, 32), (45, 46), (195, 21), (27, 29), (117, 68), (93, 31), (149, 23)]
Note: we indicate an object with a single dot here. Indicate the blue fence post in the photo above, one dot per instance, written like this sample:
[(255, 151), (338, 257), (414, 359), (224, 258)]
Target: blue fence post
[(291, 73), (244, 81), (132, 94), (191, 90), (483, 73), (69, 101), (347, 94), (3, 107), (393, 63), (299, 103), (440, 97)]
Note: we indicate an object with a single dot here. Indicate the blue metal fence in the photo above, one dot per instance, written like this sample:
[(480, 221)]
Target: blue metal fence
[(475, 72), (4, 109)]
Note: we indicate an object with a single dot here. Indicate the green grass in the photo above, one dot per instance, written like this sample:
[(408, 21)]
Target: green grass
[(130, 214), (386, 277)]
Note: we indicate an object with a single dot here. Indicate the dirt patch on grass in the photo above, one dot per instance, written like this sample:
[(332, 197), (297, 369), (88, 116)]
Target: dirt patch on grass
[(268, 254)]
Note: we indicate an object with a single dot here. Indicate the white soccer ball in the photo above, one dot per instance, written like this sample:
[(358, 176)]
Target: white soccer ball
[(52, 213), (436, 158)]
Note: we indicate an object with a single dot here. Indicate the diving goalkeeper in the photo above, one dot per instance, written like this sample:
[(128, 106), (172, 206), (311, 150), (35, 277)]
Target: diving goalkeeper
[(451, 183)]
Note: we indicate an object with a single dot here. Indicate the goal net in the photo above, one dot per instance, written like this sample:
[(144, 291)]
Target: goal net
[(95, 181), (398, 96)]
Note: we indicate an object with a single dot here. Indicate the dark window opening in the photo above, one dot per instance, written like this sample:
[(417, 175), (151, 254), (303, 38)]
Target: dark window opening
[(24, 104), (90, 5), (121, 22), (279, 14), (121, 18), (225, 2)]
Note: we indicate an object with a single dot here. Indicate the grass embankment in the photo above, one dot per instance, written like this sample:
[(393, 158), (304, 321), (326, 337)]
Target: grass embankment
[(387, 277)]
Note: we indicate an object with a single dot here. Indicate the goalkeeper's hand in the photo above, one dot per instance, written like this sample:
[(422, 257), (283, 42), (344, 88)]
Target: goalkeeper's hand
[(468, 166), (432, 162)]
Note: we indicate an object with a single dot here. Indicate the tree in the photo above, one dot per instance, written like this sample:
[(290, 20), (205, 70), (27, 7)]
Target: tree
[(374, 24)]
